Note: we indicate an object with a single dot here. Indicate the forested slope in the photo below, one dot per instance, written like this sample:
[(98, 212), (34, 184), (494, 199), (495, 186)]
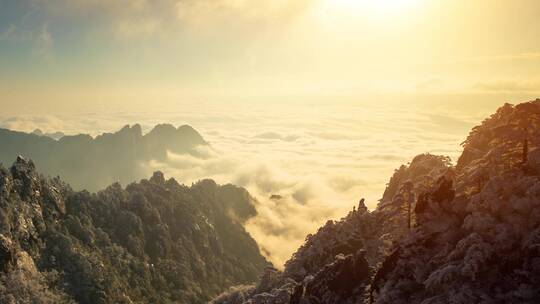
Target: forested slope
[(155, 241)]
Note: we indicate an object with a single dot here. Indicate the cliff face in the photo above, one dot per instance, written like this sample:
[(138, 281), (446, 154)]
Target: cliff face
[(94, 163), (478, 232), (155, 241), (473, 238)]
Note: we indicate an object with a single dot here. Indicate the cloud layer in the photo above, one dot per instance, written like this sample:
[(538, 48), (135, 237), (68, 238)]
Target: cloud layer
[(317, 160)]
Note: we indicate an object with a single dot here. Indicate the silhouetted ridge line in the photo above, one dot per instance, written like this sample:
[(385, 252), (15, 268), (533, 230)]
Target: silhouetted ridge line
[(93, 163)]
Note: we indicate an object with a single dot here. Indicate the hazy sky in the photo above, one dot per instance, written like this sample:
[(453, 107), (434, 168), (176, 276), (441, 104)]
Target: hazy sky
[(62, 54)]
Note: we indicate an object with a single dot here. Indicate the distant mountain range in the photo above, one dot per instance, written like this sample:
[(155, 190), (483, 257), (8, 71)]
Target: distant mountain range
[(468, 233), (155, 241), (94, 163)]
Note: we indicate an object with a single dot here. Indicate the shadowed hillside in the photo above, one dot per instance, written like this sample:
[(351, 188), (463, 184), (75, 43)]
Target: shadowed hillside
[(94, 163)]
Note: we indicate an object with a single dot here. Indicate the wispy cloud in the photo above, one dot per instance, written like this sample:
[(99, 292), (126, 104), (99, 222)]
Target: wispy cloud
[(509, 86), (38, 38), (141, 18), (129, 29), (196, 11), (502, 57), (9, 33), (45, 43)]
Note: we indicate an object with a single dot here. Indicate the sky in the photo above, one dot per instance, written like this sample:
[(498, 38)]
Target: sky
[(64, 54), (315, 100)]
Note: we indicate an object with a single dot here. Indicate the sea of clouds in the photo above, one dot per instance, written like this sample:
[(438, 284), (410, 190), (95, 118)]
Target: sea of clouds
[(321, 158)]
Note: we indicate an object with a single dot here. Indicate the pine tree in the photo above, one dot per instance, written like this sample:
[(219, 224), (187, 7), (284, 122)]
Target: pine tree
[(408, 197), (525, 153)]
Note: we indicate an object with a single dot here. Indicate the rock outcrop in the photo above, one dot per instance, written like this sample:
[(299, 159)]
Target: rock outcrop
[(7, 253)]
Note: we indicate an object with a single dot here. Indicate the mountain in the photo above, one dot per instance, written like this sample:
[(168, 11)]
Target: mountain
[(55, 135), (336, 264), (479, 229), (155, 241), (473, 237), (94, 163)]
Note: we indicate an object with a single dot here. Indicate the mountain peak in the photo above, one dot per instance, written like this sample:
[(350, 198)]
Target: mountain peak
[(158, 177), (136, 130), (22, 167), (164, 128), (93, 163)]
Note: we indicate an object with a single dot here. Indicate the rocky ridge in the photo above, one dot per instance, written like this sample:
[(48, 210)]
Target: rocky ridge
[(441, 234), (94, 163)]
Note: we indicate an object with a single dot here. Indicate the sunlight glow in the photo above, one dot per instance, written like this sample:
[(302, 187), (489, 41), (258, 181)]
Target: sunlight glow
[(385, 7)]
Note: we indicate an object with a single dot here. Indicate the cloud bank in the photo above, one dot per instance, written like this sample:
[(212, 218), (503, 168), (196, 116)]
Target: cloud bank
[(317, 161)]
